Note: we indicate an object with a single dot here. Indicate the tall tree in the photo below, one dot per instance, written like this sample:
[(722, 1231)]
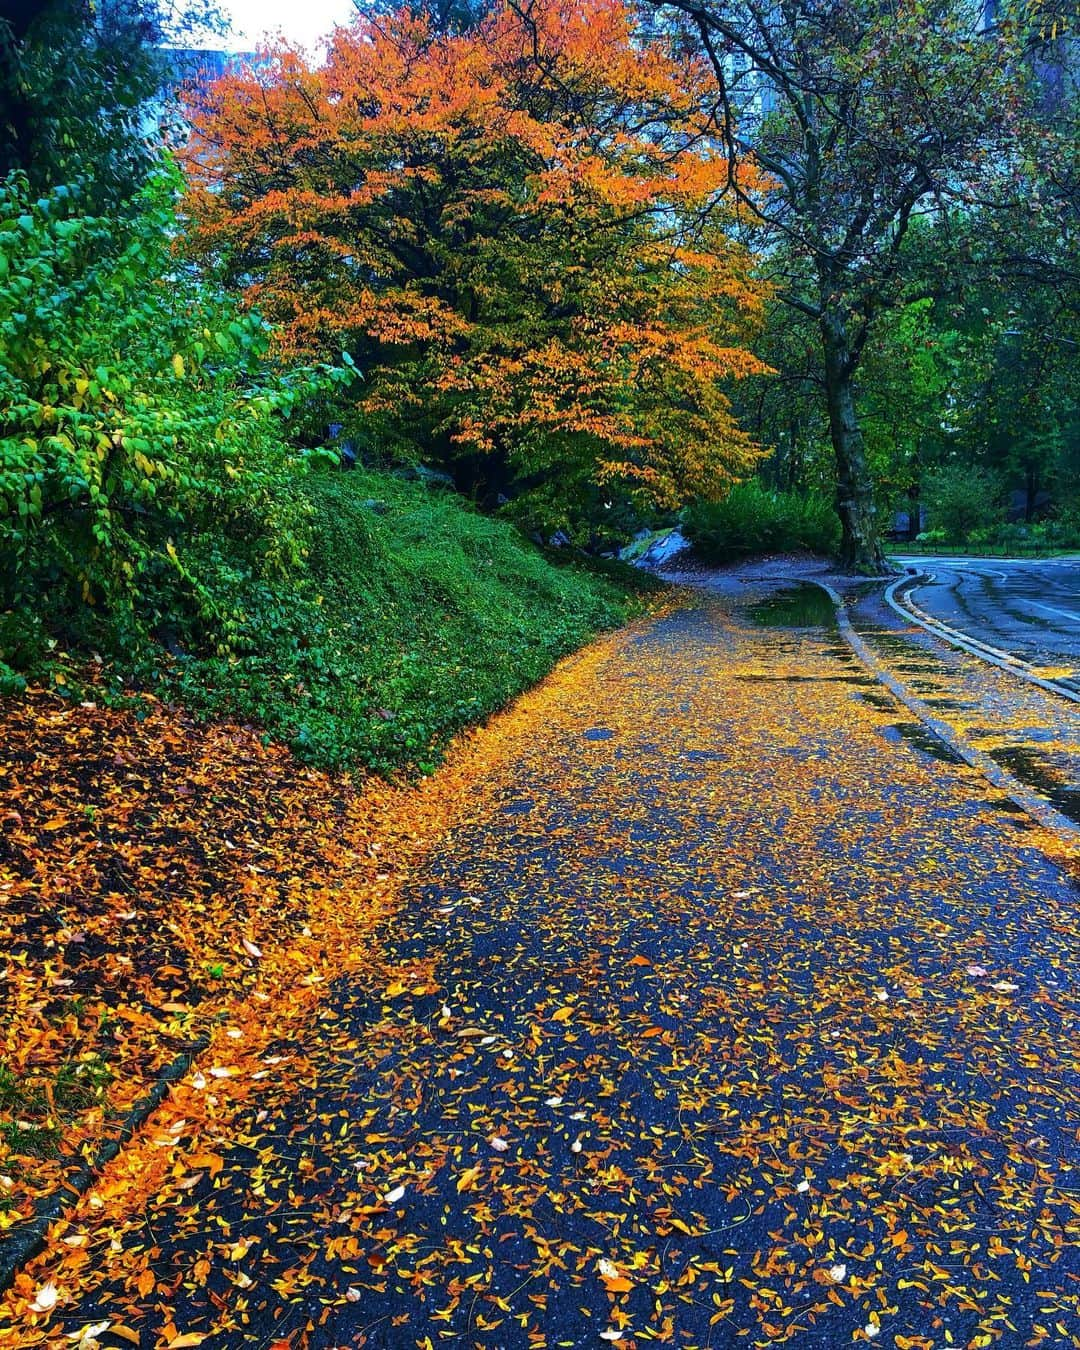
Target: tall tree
[(75, 78), (865, 116), (512, 229)]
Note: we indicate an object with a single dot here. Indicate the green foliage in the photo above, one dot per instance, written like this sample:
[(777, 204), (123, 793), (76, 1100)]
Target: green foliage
[(962, 499), (413, 616), (75, 80), (751, 520), (154, 511), (138, 411)]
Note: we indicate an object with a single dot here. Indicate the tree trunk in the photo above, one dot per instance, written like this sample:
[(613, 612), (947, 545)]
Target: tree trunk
[(914, 495), (860, 548), (914, 512)]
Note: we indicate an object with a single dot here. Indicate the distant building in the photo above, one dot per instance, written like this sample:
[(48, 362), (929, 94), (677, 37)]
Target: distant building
[(192, 69)]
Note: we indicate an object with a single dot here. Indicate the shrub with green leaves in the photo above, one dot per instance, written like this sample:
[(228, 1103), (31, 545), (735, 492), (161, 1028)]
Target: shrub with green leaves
[(963, 500), (138, 408), (751, 519)]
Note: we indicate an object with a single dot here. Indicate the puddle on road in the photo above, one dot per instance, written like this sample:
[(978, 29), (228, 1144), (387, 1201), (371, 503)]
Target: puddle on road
[(915, 734), (1034, 770), (884, 702), (865, 680), (800, 606)]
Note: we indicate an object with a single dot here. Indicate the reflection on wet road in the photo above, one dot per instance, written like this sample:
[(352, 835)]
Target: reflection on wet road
[(1030, 607)]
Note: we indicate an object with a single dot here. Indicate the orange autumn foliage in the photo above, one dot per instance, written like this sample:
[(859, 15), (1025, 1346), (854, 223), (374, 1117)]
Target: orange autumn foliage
[(516, 231)]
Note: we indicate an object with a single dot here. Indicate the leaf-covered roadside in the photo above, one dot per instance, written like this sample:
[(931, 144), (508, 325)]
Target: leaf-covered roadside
[(716, 1016), (152, 875), (162, 882)]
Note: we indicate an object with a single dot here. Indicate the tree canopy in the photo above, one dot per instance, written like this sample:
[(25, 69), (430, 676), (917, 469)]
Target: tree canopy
[(863, 118), (514, 229)]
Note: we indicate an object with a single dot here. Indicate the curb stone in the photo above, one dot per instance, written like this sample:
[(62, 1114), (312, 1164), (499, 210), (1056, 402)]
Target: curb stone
[(29, 1238), (993, 655)]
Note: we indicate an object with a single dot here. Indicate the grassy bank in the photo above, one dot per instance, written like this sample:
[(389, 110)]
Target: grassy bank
[(409, 617)]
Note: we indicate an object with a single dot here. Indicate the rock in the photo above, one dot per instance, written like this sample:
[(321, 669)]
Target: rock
[(655, 550), (422, 473)]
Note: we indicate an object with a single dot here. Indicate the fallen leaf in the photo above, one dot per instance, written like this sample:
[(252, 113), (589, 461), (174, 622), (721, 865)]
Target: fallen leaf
[(45, 1298), (468, 1179)]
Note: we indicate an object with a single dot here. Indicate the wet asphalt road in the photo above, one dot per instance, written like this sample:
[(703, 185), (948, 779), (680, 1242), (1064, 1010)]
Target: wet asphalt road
[(1030, 607)]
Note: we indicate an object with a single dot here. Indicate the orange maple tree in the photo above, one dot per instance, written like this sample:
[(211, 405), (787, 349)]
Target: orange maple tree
[(516, 231)]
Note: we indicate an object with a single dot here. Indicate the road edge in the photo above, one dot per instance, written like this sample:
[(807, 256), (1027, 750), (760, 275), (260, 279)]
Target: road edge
[(994, 656), (1034, 805)]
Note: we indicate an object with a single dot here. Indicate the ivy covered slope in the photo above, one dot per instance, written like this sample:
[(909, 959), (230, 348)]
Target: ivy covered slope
[(163, 526), (412, 617)]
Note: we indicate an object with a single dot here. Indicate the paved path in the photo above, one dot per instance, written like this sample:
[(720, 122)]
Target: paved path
[(754, 1025), (1030, 607)]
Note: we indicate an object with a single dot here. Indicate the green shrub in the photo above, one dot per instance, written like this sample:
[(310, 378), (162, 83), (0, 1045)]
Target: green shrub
[(139, 410), (962, 501), (751, 519)]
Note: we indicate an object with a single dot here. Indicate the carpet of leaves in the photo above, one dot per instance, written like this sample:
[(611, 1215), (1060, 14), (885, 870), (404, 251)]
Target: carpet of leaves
[(160, 883), (715, 1015)]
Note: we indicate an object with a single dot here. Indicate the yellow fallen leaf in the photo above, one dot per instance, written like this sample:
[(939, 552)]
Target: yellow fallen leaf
[(468, 1179), (125, 1333), (562, 1014)]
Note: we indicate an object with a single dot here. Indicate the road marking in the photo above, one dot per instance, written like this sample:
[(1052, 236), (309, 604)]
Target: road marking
[(1031, 801), (957, 638), (1049, 609)]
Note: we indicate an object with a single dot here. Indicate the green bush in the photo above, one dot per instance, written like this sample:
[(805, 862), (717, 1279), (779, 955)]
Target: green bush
[(963, 500), (751, 519), (138, 410)]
